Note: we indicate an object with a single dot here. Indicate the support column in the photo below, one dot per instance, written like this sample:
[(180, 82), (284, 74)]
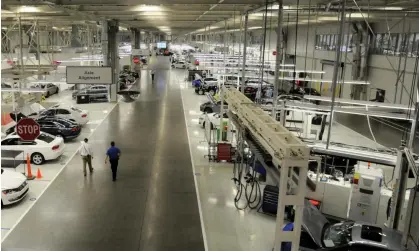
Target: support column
[(110, 54), (279, 52), (336, 68), (137, 39), (75, 37)]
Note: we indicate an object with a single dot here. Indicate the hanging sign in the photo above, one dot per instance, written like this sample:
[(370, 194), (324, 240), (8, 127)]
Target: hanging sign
[(274, 53), (89, 75)]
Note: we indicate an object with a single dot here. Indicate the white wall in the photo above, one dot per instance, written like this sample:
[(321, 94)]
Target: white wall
[(380, 72)]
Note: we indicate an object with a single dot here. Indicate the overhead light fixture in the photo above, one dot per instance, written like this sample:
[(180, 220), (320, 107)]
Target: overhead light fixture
[(329, 18), (359, 15), (27, 9), (255, 28), (391, 8), (145, 7), (122, 28), (276, 7)]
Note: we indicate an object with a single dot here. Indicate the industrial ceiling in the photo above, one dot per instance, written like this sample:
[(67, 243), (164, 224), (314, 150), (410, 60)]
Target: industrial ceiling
[(178, 17)]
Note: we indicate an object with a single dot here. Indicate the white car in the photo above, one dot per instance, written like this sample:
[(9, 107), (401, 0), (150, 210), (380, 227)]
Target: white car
[(181, 65), (72, 113), (14, 187), (210, 81), (45, 147), (214, 119)]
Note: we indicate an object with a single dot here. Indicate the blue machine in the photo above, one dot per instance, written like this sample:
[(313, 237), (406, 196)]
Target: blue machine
[(196, 83)]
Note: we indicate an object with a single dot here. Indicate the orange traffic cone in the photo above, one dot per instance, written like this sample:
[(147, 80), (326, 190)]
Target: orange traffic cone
[(28, 164), (38, 174)]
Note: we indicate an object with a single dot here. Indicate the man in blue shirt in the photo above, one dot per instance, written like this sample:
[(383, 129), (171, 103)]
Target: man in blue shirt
[(113, 155)]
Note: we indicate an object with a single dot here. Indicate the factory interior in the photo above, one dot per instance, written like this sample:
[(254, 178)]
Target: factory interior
[(209, 125)]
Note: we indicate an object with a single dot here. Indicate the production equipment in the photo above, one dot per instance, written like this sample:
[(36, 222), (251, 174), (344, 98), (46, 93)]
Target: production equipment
[(365, 194)]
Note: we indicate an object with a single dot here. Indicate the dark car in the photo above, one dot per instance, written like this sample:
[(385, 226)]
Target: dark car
[(64, 128), (318, 233)]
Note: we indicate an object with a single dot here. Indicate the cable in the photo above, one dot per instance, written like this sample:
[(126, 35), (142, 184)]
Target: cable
[(369, 126)]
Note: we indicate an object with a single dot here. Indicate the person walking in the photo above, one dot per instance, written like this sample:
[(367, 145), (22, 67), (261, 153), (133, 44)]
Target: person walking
[(86, 154), (113, 155)]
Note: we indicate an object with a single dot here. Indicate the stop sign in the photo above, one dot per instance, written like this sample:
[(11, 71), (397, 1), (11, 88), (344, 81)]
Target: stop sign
[(274, 53), (28, 129), (136, 60)]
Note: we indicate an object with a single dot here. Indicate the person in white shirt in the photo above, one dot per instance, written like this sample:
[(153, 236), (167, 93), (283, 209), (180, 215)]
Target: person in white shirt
[(86, 154)]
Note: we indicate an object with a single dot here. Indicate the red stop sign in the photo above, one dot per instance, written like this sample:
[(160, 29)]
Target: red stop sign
[(136, 60), (28, 129)]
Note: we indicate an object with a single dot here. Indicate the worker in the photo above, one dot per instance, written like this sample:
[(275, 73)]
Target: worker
[(153, 72), (86, 154), (113, 154)]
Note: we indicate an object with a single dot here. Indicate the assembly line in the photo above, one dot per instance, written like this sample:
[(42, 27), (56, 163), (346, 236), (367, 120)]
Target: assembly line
[(228, 125)]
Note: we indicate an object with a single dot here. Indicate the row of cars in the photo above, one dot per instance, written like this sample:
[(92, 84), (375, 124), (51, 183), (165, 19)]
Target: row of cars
[(47, 88), (100, 92), (57, 123)]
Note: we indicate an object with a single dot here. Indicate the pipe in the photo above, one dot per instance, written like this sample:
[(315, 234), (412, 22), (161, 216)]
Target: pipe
[(336, 69), (278, 58), (246, 19)]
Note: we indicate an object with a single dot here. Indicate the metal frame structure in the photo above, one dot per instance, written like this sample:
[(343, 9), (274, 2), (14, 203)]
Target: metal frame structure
[(288, 153)]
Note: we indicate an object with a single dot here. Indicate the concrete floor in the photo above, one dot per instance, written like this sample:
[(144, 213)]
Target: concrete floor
[(152, 206)]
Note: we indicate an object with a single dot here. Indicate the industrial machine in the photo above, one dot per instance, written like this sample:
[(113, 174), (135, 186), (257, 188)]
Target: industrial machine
[(365, 194)]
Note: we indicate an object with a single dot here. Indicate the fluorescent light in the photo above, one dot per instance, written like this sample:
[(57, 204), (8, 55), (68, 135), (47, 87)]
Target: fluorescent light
[(148, 8), (329, 18), (122, 28), (276, 7), (27, 9), (391, 8), (358, 15), (255, 28)]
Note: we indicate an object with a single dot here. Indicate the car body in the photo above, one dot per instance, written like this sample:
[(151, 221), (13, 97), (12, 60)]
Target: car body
[(45, 147), (14, 187), (232, 81), (214, 119), (212, 107), (48, 88), (318, 233), (3, 85), (180, 64), (291, 115), (56, 126), (256, 82), (203, 88), (210, 81), (94, 92), (77, 114)]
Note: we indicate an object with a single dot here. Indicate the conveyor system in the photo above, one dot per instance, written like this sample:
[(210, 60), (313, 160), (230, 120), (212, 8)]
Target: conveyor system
[(288, 153)]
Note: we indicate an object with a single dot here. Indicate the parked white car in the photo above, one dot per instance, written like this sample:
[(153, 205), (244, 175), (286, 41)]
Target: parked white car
[(214, 119), (14, 187), (181, 65), (74, 113), (45, 147), (210, 81)]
